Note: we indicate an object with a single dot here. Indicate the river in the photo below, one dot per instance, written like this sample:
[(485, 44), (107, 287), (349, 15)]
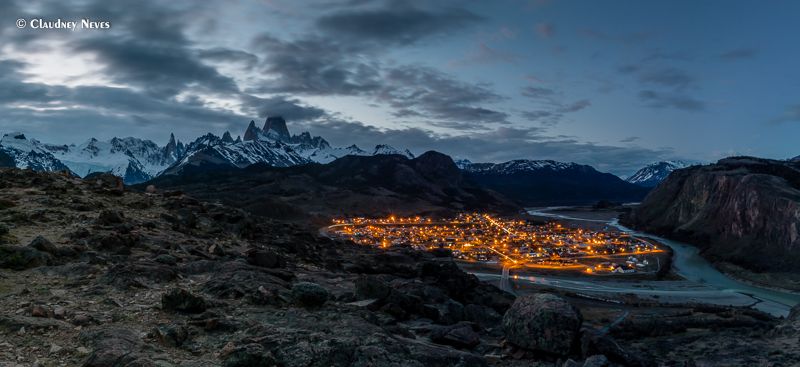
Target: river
[(705, 282)]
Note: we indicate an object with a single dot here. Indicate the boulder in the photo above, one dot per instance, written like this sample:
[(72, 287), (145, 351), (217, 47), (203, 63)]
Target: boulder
[(542, 322), (265, 259), (21, 258), (461, 335), (44, 245), (309, 294), (110, 217), (115, 347), (371, 287), (170, 335), (597, 360), (250, 355), (180, 300)]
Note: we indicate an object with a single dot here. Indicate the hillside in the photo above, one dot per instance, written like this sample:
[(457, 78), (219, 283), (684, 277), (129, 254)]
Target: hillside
[(351, 185), (741, 210), (543, 183)]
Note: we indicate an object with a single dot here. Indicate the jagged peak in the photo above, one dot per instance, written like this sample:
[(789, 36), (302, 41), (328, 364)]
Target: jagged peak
[(227, 138)]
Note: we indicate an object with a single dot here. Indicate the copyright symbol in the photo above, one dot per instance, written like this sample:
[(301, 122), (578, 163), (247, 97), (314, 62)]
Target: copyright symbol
[(21, 23)]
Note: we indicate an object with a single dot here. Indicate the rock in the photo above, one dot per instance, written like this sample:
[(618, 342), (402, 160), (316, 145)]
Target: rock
[(371, 287), (41, 311), (42, 244), (170, 335), (461, 335), (55, 348), (250, 355), (59, 312), (110, 217), (571, 363), (166, 259), (115, 347), (265, 259), (81, 319), (151, 189), (597, 360), (180, 300), (135, 274), (15, 323), (21, 258), (542, 322), (484, 316), (309, 294)]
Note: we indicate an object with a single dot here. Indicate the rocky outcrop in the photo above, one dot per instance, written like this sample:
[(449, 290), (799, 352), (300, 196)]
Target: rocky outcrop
[(740, 210), (542, 322)]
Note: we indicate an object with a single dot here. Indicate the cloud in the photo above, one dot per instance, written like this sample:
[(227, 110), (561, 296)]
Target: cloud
[(792, 114), (494, 145), (226, 55), (484, 54), (738, 54), (538, 92), (433, 94), (552, 108), (629, 139), (397, 24), (576, 106), (668, 77), (545, 30), (674, 100)]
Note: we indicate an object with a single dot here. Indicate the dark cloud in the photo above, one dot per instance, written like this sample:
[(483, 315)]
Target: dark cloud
[(668, 77), (430, 93), (538, 92), (226, 55), (738, 54), (545, 30), (673, 100), (553, 109), (394, 24), (576, 106), (163, 69), (792, 114), (629, 139), (317, 66)]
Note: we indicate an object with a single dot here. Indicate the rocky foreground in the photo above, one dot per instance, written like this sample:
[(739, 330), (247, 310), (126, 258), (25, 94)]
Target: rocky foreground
[(94, 275)]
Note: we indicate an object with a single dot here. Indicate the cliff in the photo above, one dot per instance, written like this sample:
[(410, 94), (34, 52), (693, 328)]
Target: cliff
[(741, 210)]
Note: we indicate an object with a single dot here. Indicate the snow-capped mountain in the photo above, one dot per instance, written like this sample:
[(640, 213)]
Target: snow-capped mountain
[(515, 166), (138, 160), (795, 159), (272, 144), (652, 174), (135, 160), (30, 153)]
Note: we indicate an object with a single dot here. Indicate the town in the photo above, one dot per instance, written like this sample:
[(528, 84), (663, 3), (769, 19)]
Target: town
[(482, 238)]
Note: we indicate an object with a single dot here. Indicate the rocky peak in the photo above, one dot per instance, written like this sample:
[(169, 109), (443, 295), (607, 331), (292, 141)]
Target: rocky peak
[(252, 132), (278, 125), (226, 138)]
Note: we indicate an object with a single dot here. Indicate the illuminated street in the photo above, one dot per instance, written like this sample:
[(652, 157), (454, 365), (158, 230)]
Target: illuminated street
[(482, 238)]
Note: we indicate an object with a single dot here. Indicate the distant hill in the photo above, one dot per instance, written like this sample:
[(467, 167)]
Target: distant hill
[(741, 210), (652, 174), (545, 182), (351, 185)]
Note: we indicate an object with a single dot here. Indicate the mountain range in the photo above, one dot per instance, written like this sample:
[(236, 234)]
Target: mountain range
[(138, 160), (546, 182), (652, 174)]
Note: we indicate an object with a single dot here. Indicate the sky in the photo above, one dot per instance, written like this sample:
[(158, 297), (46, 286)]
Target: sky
[(614, 84)]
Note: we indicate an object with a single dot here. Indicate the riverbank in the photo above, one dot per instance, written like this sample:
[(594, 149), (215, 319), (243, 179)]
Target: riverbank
[(687, 261)]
